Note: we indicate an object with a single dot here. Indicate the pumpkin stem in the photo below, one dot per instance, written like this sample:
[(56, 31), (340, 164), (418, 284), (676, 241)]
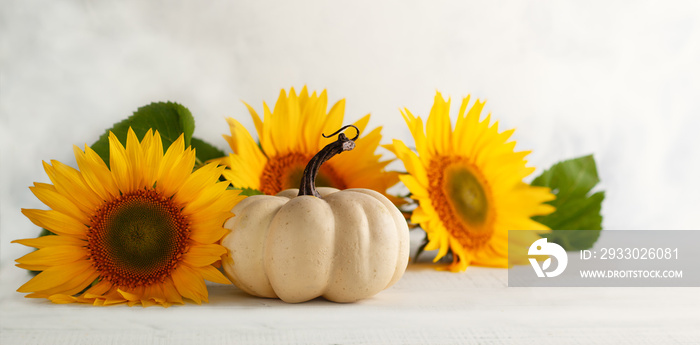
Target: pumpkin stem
[(308, 179)]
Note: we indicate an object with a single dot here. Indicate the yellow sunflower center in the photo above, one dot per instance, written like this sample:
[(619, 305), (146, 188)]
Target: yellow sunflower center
[(462, 199), (137, 239), (284, 172)]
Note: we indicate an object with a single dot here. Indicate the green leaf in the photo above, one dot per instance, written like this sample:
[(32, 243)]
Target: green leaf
[(206, 151), (248, 191), (170, 119), (45, 232), (577, 209)]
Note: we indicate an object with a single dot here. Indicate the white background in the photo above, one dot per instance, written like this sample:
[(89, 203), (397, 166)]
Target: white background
[(616, 79), (619, 79)]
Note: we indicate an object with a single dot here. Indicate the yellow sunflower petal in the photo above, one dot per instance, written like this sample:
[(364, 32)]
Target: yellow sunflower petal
[(154, 293), (267, 142), (243, 144), (132, 296), (189, 284), (411, 161), (175, 167), (62, 299), (208, 234), (212, 274), (333, 122), (292, 120), (115, 213), (170, 292), (241, 174), (136, 159), (290, 135), (56, 222), (73, 285), (197, 182), (70, 184), (438, 126), (444, 245), (56, 255), (55, 276), (468, 182), (96, 173), (119, 164), (206, 197), (98, 289), (51, 240), (313, 118), (418, 190), (203, 255), (361, 124), (55, 200), (415, 125), (152, 146)]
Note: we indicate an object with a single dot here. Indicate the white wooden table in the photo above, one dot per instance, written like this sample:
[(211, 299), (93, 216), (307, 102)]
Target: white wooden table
[(424, 307)]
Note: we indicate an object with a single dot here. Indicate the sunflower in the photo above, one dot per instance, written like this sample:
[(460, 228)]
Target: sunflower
[(144, 230), (290, 136), (469, 185)]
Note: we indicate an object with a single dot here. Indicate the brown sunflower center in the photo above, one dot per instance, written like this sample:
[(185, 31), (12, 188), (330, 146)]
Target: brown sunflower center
[(137, 239), (284, 172), (462, 199)]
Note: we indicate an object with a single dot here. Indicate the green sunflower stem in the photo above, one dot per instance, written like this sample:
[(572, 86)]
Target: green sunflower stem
[(197, 163), (308, 179), (421, 249)]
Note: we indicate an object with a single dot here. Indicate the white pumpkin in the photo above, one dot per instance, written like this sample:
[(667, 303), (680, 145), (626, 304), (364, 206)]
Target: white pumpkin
[(341, 245)]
